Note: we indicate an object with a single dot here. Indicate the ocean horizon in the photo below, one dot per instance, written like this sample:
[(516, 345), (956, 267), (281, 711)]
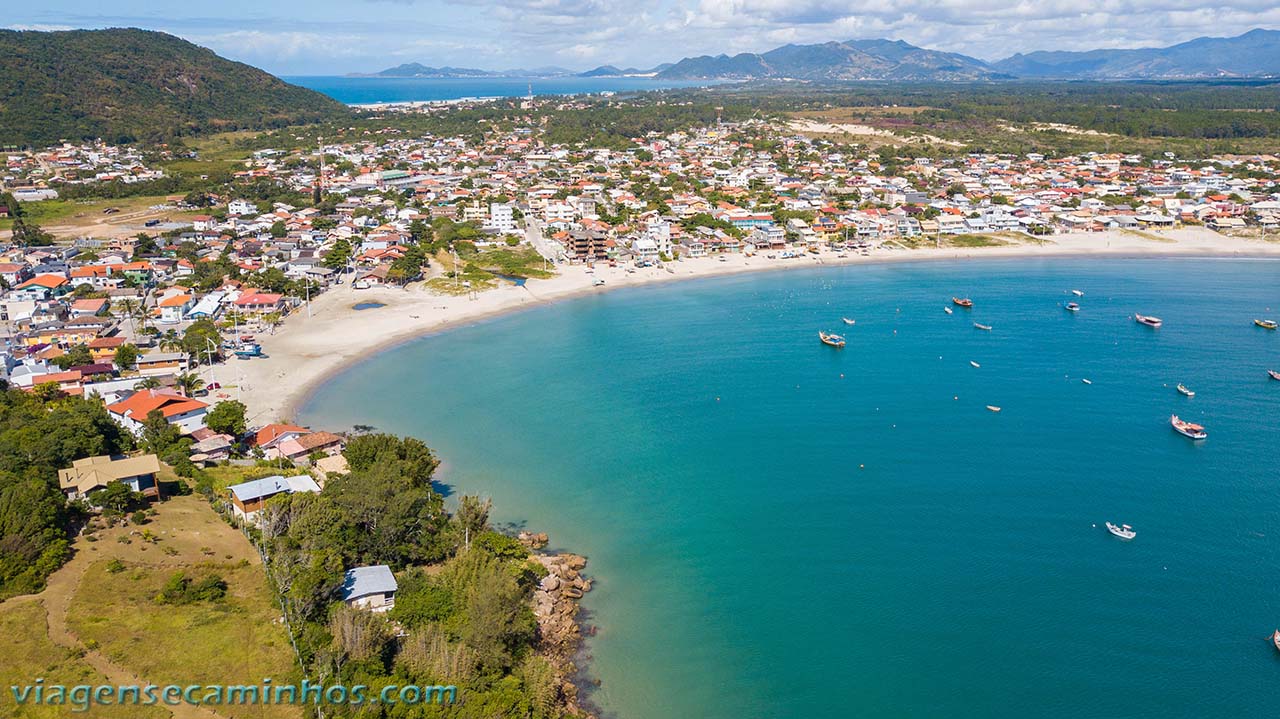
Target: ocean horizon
[(778, 528), (363, 90)]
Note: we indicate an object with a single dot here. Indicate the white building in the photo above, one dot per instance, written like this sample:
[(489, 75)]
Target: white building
[(502, 218)]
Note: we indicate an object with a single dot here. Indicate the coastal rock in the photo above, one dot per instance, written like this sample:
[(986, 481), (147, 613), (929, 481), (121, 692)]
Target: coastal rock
[(549, 583), (532, 540)]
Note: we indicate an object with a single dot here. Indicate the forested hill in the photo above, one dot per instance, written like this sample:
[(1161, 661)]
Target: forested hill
[(136, 85)]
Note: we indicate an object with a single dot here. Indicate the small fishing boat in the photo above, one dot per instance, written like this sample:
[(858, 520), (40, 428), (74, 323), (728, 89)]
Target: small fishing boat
[(1087, 381), (993, 408), (1182, 390), (1275, 639), (975, 364), (1073, 307), (1266, 324), (947, 310), (848, 321), (831, 339), (1123, 531), (1187, 429), (1148, 321), (1077, 293), (980, 326), (1274, 374), (962, 302)]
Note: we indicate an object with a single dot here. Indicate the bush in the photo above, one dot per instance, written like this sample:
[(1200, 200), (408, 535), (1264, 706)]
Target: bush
[(115, 566), (138, 517), (181, 589)]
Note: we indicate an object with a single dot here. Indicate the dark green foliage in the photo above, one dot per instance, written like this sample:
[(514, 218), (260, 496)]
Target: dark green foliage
[(181, 589), (116, 498), (408, 457), (227, 417), (202, 337), (126, 85), (421, 600), (37, 438)]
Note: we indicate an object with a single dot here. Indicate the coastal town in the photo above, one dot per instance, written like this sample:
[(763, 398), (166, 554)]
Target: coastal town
[(189, 310), (201, 333)]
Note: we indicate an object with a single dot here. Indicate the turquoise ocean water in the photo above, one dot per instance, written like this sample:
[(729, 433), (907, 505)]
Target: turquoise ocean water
[(780, 529), (364, 90)]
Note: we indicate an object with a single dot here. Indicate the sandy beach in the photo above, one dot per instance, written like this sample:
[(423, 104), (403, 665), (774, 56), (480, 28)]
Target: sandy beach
[(330, 335)]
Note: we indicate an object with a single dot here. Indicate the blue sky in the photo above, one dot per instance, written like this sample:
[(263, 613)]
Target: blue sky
[(301, 37)]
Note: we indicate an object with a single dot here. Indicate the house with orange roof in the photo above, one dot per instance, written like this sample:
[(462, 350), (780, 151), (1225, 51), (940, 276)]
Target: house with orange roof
[(42, 287), (185, 413), (103, 349), (269, 435), (254, 302), (172, 309)]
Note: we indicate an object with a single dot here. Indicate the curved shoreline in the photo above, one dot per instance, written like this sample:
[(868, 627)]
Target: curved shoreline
[(316, 344)]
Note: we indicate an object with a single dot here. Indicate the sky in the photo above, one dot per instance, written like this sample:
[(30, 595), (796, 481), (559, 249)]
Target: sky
[(328, 37)]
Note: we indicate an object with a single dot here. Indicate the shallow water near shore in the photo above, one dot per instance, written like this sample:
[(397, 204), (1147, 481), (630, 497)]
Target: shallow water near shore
[(782, 529)]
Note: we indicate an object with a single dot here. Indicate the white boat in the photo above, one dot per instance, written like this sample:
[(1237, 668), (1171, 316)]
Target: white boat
[(1123, 531), (993, 408), (1087, 381), (975, 364), (360, 285), (598, 283), (947, 310), (1187, 429), (1072, 307), (1077, 293), (1182, 389), (848, 321), (979, 326), (1148, 320)]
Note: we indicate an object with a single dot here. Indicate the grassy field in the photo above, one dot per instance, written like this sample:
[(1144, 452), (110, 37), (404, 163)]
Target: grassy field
[(77, 218), (31, 654), (216, 153), (98, 625)]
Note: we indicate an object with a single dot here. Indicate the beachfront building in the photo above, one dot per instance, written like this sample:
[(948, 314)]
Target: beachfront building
[(185, 413)]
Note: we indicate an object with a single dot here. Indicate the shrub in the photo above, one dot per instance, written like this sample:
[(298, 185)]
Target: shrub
[(115, 566), (181, 589)]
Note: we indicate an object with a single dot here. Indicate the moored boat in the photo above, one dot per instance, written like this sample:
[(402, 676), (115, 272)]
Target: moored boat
[(1148, 320), (1275, 639), (1073, 307), (1266, 324), (848, 321), (1273, 374), (962, 302), (1087, 381), (1187, 429), (975, 364), (1182, 389), (831, 339), (1077, 293), (993, 408), (1122, 531), (980, 326), (947, 310)]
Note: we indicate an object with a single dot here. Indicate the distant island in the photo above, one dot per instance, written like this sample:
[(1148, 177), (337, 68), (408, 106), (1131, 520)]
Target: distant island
[(1255, 54)]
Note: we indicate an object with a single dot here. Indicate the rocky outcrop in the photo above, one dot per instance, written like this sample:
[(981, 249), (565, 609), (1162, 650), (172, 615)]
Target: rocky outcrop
[(555, 604)]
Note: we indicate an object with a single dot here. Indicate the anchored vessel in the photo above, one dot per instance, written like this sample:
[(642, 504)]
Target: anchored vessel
[(1123, 531), (1187, 429), (1266, 324), (1182, 389), (1148, 321), (831, 339), (1073, 307), (962, 301)]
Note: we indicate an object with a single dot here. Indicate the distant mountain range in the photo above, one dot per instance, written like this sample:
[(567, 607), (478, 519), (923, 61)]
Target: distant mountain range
[(1253, 54)]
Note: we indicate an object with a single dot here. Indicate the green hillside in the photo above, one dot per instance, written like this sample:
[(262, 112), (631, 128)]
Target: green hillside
[(128, 85)]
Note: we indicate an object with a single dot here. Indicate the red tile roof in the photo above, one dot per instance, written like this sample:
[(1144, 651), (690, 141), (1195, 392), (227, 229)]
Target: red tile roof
[(140, 404)]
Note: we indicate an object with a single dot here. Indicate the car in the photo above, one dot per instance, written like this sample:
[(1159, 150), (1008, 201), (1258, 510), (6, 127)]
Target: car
[(213, 385)]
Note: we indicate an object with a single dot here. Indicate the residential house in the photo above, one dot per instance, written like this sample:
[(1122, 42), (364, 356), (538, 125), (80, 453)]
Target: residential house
[(303, 446), (247, 498), (372, 588), (93, 473), (183, 412)]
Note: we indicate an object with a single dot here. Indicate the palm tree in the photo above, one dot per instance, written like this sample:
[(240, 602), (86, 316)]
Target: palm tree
[(146, 383), (171, 341), (188, 383)]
